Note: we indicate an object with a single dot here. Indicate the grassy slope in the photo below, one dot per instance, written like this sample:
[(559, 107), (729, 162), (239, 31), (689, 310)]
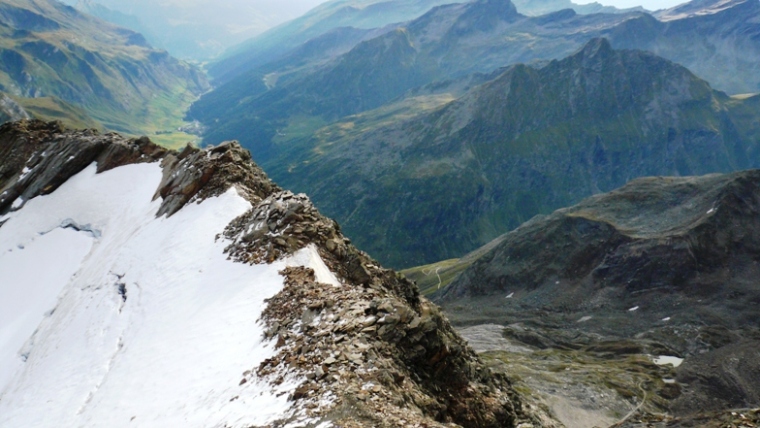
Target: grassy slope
[(49, 108), (436, 276)]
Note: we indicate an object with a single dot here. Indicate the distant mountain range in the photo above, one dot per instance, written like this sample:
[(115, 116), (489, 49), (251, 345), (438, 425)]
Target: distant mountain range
[(331, 15), (340, 15), (542, 7), (198, 30), (294, 114), (717, 44)]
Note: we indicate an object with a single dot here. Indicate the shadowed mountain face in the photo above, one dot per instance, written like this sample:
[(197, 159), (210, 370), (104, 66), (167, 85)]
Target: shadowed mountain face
[(667, 265), (48, 49), (529, 141)]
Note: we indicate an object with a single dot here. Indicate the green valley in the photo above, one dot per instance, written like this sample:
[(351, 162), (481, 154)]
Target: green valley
[(54, 56)]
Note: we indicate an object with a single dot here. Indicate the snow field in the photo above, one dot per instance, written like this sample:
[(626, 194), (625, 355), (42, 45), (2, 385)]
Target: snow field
[(133, 320)]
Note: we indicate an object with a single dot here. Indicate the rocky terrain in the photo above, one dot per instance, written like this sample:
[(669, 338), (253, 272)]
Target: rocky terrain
[(660, 267), (352, 343)]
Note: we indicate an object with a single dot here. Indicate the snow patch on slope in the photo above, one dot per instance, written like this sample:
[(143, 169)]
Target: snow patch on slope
[(310, 257), (152, 326), (33, 276)]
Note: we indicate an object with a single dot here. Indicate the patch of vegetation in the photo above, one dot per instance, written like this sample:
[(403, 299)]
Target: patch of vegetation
[(433, 277), (50, 108)]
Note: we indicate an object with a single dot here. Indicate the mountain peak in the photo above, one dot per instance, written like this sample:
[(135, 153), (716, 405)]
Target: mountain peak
[(484, 16), (502, 7), (697, 8), (596, 47), (503, 10)]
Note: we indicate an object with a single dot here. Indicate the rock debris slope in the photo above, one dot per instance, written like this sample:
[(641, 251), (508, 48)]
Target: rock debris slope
[(158, 288), (661, 266)]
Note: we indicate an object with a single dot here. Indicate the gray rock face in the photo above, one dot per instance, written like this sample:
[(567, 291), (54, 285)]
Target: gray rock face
[(10, 111), (36, 157), (655, 242), (724, 379), (195, 174)]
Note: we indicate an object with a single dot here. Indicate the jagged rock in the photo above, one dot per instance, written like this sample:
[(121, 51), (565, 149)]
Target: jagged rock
[(444, 375), (200, 174), (38, 157)]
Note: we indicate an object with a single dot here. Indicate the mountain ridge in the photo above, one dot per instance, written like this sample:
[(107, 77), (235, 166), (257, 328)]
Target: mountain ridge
[(271, 45), (489, 160), (339, 340), (692, 41)]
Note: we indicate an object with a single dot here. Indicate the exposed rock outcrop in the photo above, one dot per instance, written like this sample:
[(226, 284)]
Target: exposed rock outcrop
[(684, 248), (37, 157), (195, 174)]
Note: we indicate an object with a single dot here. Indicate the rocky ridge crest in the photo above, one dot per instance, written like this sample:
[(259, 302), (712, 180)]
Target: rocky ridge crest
[(373, 351)]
